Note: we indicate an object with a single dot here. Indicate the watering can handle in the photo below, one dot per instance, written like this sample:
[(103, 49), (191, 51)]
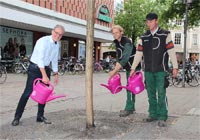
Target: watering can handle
[(137, 72), (39, 79)]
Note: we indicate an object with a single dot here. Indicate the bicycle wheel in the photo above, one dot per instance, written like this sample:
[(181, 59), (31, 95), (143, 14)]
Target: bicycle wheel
[(61, 70), (97, 68), (18, 68), (177, 82), (78, 68), (194, 81), (3, 75), (170, 79)]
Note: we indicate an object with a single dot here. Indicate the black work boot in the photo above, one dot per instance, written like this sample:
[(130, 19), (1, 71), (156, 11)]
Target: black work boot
[(15, 122), (43, 119), (162, 123), (124, 113), (149, 119)]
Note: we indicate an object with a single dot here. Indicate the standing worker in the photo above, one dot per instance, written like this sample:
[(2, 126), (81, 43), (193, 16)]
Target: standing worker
[(125, 55), (45, 52), (154, 46)]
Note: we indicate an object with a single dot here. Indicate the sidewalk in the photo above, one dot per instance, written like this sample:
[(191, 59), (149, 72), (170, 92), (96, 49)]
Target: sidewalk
[(68, 115)]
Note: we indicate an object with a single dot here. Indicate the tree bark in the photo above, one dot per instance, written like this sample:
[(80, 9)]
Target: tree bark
[(89, 64)]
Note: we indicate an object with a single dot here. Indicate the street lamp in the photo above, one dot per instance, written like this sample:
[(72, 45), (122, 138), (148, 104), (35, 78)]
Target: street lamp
[(187, 4)]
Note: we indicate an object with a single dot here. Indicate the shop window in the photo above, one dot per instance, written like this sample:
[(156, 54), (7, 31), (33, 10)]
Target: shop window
[(194, 39), (177, 39)]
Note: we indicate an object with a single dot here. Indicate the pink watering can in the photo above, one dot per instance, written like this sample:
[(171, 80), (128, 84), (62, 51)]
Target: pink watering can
[(114, 84), (43, 93), (135, 83)]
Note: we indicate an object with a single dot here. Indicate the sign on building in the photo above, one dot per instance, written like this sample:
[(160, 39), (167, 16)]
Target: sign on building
[(103, 14)]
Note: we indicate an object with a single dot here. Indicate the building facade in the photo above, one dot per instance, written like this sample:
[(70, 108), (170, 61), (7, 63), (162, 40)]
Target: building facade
[(29, 20), (192, 42), (105, 47), (118, 5)]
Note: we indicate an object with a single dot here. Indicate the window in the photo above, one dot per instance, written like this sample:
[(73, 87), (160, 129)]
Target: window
[(194, 39), (179, 22), (177, 39)]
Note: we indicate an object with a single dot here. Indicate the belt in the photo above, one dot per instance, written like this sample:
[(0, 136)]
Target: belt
[(37, 65)]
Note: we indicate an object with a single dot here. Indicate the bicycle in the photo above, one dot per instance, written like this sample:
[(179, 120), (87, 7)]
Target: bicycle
[(66, 65), (108, 66), (3, 74), (170, 78), (191, 78), (21, 65), (97, 67), (79, 66)]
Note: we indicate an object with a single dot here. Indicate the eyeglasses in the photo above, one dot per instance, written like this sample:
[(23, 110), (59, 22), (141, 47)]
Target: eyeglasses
[(57, 33)]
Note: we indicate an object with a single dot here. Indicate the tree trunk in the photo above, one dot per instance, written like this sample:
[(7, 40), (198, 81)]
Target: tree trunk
[(89, 65)]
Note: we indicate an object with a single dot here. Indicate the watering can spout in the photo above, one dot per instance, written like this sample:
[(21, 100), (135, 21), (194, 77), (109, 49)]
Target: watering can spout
[(52, 97), (108, 87)]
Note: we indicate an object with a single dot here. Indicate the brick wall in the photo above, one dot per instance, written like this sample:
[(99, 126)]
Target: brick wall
[(75, 8)]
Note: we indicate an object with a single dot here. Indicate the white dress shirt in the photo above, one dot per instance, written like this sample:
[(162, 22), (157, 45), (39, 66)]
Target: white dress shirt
[(45, 52)]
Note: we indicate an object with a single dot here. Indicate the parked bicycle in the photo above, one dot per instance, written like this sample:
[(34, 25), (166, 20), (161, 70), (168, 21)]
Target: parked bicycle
[(170, 78), (3, 74), (191, 77), (108, 66), (98, 66), (21, 65), (79, 66), (66, 65)]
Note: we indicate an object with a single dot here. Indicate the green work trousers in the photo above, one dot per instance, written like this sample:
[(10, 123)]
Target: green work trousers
[(155, 83)]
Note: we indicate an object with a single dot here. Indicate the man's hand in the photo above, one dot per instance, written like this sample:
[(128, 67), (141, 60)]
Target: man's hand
[(45, 79), (132, 72), (175, 72), (116, 69)]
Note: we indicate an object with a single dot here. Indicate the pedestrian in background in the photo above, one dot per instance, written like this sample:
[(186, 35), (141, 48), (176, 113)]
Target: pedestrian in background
[(125, 54), (155, 46), (9, 49), (22, 48), (45, 52), (16, 46)]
